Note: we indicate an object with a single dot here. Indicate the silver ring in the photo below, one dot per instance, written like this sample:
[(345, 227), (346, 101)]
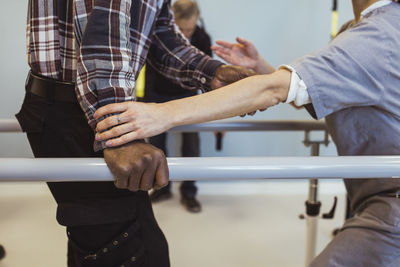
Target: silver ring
[(119, 119)]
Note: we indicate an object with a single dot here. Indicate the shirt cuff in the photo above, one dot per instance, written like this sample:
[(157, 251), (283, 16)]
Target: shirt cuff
[(298, 89), (207, 74)]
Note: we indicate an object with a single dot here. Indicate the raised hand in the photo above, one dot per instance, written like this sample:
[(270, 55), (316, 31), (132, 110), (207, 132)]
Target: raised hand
[(137, 166), (244, 54)]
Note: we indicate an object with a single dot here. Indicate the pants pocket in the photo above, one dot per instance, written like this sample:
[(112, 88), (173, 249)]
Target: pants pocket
[(32, 114), (124, 250)]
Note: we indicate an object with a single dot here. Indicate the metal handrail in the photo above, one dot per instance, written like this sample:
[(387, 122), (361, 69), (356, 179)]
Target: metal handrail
[(9, 125), (254, 125), (229, 168), (12, 125)]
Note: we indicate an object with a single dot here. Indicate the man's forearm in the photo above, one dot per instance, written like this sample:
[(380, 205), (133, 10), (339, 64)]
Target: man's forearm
[(250, 94)]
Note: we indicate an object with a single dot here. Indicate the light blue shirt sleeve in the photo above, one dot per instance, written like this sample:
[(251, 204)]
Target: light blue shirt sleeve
[(351, 71)]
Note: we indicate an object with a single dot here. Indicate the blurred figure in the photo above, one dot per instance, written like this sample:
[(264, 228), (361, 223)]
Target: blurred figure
[(159, 89), (2, 252)]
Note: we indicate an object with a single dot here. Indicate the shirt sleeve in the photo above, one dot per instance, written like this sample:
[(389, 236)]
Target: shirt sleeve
[(349, 72), (298, 89), (172, 55), (104, 72)]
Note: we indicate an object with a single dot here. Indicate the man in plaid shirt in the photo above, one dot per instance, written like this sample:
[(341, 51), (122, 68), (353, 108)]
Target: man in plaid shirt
[(85, 54)]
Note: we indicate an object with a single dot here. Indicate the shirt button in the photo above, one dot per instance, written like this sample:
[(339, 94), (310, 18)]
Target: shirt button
[(125, 235), (105, 250), (115, 243), (203, 80), (133, 259)]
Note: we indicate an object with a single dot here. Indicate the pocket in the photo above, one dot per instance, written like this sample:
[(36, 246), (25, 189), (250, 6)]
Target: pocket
[(32, 114)]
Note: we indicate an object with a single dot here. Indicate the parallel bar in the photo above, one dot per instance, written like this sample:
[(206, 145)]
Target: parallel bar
[(11, 125), (13, 169), (253, 125)]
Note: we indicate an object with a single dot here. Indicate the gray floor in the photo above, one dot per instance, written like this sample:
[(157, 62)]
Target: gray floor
[(233, 230)]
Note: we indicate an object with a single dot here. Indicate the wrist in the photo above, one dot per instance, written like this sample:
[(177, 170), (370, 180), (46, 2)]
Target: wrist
[(173, 118), (263, 67)]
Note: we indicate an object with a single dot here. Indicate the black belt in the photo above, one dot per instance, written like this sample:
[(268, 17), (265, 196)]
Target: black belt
[(53, 90)]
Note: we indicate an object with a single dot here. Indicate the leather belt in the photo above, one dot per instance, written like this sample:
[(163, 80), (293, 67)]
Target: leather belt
[(52, 90)]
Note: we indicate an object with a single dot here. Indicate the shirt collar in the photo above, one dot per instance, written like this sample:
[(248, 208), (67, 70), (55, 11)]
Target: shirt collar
[(374, 6)]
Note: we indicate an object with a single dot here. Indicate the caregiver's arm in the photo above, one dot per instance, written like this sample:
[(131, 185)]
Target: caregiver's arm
[(140, 120)]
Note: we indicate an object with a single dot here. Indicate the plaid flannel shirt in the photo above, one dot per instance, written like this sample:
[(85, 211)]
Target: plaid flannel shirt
[(102, 45)]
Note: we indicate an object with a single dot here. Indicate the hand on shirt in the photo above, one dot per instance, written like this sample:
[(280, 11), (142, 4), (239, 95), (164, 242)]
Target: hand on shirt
[(227, 74), (137, 166), (136, 121)]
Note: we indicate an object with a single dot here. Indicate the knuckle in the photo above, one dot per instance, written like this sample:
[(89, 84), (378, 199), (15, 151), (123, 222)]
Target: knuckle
[(147, 158), (131, 115), (158, 153), (113, 131), (124, 168), (133, 187), (118, 184), (124, 138), (146, 187), (136, 165)]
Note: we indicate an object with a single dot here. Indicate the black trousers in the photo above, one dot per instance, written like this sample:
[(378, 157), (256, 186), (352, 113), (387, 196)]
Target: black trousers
[(190, 148), (106, 226)]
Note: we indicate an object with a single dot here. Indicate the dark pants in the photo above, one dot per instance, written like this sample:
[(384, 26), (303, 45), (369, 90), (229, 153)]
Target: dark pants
[(106, 226), (190, 148)]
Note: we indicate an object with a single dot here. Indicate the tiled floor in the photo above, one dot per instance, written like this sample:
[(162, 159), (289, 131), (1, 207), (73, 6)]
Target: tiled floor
[(232, 231)]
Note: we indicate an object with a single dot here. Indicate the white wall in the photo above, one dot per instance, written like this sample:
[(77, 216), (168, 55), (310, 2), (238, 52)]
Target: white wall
[(282, 30), (13, 70)]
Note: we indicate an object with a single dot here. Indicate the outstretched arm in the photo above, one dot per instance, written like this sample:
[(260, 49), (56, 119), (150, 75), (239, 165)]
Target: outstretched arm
[(140, 120), (244, 54)]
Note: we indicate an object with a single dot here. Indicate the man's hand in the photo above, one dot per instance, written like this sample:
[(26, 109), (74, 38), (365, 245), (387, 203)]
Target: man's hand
[(228, 74), (137, 166)]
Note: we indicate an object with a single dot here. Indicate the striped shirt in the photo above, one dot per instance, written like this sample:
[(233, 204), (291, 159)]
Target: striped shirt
[(102, 45)]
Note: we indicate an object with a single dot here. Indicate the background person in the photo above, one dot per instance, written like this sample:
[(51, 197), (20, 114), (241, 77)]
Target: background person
[(354, 83), (86, 54), (2, 252), (159, 89)]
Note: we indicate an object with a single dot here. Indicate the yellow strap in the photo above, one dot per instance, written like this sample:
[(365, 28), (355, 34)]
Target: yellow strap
[(334, 24), (141, 82)]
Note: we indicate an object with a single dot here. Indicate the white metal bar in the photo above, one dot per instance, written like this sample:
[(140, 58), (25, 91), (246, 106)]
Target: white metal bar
[(85, 169), (12, 125), (311, 241), (9, 125), (253, 125)]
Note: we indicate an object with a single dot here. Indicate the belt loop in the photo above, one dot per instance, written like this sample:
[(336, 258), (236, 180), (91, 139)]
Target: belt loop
[(28, 81)]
